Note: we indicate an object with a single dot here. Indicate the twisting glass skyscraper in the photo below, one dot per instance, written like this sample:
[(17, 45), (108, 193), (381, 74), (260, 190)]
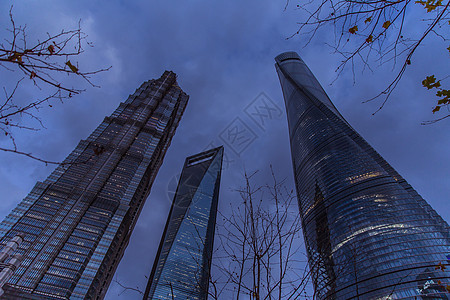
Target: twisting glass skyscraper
[(183, 262), (368, 234), (77, 223)]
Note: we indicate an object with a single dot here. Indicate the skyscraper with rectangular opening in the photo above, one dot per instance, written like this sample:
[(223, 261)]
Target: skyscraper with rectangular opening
[(182, 264), (77, 223), (368, 233)]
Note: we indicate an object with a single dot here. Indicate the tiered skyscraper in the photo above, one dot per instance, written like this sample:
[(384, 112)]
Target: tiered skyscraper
[(368, 233), (77, 223), (183, 262)]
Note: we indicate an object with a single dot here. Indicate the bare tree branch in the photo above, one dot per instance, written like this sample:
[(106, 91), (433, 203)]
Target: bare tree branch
[(373, 31), (43, 62)]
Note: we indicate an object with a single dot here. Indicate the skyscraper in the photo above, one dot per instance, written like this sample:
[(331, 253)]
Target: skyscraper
[(77, 223), (182, 264), (368, 233)]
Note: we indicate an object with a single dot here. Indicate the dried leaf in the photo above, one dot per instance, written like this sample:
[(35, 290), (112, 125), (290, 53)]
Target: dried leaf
[(16, 56), (51, 49), (440, 265), (437, 108), (368, 20), (442, 93), (369, 39), (32, 74), (386, 24), (446, 97), (72, 67), (430, 5), (353, 30)]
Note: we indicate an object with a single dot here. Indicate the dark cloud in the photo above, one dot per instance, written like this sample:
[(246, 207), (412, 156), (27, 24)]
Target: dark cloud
[(223, 53)]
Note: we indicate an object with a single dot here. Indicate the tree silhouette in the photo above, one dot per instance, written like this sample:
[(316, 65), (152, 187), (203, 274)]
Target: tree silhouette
[(44, 62)]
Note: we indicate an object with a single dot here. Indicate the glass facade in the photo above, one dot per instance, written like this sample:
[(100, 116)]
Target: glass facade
[(368, 233), (183, 262), (77, 223)]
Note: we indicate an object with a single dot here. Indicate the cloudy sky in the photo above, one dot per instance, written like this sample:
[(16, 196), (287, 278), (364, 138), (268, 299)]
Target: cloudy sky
[(223, 53)]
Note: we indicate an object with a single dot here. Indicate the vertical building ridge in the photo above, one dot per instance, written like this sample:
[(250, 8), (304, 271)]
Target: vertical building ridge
[(77, 223), (368, 233)]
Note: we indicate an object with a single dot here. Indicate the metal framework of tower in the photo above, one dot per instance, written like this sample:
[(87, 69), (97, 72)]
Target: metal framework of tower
[(182, 264), (368, 233), (77, 223)]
